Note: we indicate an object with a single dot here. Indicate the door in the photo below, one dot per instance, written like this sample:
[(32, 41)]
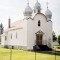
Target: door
[(39, 39)]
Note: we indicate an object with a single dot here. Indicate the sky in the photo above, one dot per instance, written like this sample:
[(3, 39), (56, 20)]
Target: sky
[(15, 9)]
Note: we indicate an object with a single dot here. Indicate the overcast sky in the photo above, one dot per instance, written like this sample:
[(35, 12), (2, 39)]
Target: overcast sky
[(15, 8)]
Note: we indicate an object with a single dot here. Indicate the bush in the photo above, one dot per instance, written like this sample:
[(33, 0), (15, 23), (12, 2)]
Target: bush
[(59, 39), (58, 47), (54, 38)]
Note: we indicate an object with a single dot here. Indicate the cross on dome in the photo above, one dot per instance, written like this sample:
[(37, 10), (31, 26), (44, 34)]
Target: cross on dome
[(28, 2), (28, 10), (47, 5), (48, 13), (37, 0), (37, 8)]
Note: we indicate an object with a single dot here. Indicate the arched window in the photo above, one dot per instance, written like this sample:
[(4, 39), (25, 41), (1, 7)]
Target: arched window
[(16, 35), (39, 23), (11, 36), (5, 37), (38, 10)]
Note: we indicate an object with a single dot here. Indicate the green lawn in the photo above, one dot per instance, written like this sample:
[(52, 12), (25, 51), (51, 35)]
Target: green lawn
[(25, 55)]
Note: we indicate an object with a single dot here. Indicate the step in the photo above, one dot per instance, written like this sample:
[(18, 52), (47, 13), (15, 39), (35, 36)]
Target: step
[(42, 48)]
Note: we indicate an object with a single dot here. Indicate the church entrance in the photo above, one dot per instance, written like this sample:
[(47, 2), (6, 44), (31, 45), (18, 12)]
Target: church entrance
[(38, 39)]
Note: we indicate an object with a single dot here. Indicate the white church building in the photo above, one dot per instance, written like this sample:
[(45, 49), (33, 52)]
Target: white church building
[(30, 31)]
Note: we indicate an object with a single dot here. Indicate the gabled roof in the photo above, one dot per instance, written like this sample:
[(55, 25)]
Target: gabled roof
[(41, 14), (39, 32)]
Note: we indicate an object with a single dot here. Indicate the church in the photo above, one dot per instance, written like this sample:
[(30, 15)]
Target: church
[(30, 31)]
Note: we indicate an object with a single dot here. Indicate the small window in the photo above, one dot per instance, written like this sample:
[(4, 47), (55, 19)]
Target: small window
[(39, 23), (16, 35), (11, 36), (0, 38), (5, 37), (38, 10)]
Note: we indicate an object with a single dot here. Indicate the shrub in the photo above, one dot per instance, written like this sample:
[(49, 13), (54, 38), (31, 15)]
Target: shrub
[(59, 39)]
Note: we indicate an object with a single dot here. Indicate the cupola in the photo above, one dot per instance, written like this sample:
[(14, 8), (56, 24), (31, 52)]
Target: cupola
[(48, 14), (28, 10), (37, 7)]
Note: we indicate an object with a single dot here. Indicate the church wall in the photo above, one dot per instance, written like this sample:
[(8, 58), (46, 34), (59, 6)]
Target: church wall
[(30, 40), (25, 33), (14, 40), (21, 36), (3, 39), (49, 32), (33, 28), (42, 27), (21, 40)]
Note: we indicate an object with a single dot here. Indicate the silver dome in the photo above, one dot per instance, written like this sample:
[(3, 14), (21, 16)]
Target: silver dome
[(28, 10), (48, 13)]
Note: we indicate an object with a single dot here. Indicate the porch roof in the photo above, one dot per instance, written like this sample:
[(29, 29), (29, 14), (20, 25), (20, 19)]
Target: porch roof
[(39, 32)]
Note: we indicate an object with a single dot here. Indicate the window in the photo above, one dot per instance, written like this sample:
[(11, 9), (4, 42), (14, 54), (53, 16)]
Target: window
[(5, 38), (0, 38), (38, 10), (39, 23), (11, 36), (16, 35)]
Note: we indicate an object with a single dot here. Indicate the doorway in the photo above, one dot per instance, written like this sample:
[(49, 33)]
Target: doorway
[(39, 39)]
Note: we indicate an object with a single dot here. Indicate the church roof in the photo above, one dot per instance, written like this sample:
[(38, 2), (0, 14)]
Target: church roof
[(15, 25), (41, 14), (15, 28)]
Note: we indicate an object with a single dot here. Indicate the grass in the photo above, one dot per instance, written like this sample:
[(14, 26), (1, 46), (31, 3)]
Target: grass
[(25, 55)]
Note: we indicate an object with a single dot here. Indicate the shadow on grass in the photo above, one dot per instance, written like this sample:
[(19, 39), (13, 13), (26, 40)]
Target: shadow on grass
[(49, 52)]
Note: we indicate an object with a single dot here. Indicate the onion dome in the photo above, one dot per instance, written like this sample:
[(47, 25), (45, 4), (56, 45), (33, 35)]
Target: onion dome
[(48, 14), (1, 25), (37, 6), (28, 10)]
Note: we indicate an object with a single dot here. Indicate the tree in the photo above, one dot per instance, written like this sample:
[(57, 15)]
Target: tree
[(59, 39), (54, 38)]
